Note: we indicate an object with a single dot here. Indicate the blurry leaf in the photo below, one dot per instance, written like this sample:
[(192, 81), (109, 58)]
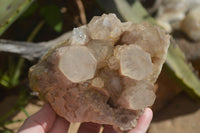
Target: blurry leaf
[(25, 111), (17, 71), (176, 60), (141, 13), (184, 71), (4, 81), (11, 77), (12, 121), (134, 12), (58, 27), (21, 102), (6, 131), (52, 16), (35, 31), (31, 10), (10, 10)]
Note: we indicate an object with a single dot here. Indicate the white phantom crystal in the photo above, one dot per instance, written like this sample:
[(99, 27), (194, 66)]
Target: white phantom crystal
[(104, 73), (135, 62), (77, 63)]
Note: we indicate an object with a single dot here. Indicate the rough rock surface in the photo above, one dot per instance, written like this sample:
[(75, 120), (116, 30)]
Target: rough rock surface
[(104, 73)]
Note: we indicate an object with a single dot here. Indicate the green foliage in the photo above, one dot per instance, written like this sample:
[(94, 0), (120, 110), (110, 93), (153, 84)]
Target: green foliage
[(52, 16), (31, 10), (10, 10), (10, 78), (134, 12), (6, 131), (21, 102), (176, 60)]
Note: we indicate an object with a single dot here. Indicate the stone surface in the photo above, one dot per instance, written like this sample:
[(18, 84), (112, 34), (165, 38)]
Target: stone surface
[(107, 80), (171, 12), (191, 24), (98, 82)]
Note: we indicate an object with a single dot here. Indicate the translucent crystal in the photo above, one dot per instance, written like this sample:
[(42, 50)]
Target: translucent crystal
[(135, 62), (151, 39), (77, 63), (107, 27), (102, 49), (80, 36), (138, 96)]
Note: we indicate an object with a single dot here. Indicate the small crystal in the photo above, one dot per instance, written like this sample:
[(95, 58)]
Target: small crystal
[(106, 27), (113, 63), (98, 82), (80, 36), (102, 49)]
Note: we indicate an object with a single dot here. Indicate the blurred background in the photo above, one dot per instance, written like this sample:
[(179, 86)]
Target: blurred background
[(29, 27)]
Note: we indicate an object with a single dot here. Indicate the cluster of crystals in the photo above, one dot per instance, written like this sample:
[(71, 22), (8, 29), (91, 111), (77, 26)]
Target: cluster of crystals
[(104, 73), (126, 48)]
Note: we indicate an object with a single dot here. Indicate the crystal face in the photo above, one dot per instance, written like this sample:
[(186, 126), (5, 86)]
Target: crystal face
[(80, 36), (131, 97), (77, 63), (104, 73), (135, 62)]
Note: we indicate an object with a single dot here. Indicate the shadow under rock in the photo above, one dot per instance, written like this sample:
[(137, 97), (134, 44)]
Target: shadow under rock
[(181, 105)]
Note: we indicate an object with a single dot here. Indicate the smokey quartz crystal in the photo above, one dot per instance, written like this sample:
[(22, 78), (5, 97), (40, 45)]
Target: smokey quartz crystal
[(105, 73)]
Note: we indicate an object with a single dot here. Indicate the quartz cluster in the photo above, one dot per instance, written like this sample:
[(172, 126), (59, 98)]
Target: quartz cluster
[(182, 15), (191, 24), (105, 73)]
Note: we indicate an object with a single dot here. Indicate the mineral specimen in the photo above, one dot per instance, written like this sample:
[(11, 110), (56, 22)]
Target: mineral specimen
[(191, 24), (104, 73), (172, 12)]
